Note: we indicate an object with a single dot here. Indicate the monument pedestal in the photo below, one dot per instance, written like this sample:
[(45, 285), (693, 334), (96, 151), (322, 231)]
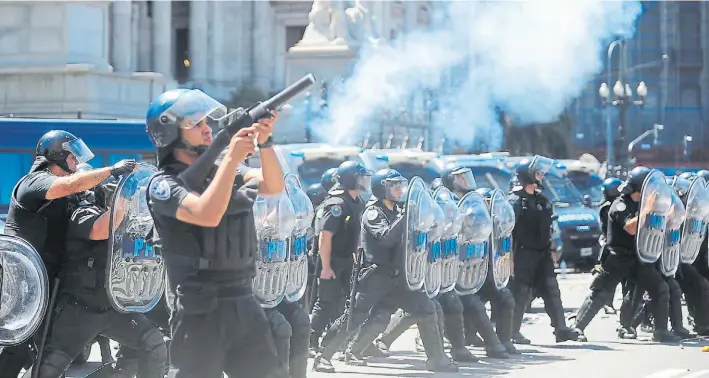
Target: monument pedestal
[(326, 61), (60, 92)]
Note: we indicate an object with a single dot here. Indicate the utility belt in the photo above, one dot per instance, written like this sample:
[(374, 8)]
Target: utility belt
[(67, 298), (368, 268), (201, 298)]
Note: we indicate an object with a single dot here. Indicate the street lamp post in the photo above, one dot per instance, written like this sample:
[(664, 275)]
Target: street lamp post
[(623, 101)]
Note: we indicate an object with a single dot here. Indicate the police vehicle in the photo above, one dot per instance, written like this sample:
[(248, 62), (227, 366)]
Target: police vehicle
[(488, 169), (309, 161), (583, 173), (409, 162)]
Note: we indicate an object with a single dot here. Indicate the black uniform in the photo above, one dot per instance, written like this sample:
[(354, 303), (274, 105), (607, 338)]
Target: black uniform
[(291, 332), (28, 217), (341, 215), (84, 311), (217, 324), (533, 264), (381, 284), (696, 290), (621, 264)]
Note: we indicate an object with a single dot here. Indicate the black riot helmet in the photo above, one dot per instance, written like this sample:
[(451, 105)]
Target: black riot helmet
[(352, 175), (328, 179), (389, 184), (635, 180), (177, 110), (610, 188), (531, 171), (316, 193), (56, 145), (458, 179)]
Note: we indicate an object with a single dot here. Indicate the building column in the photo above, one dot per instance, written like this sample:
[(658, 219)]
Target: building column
[(217, 41), (163, 54), (199, 40), (121, 32)]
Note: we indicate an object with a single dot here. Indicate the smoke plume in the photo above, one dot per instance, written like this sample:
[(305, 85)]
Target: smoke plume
[(527, 58)]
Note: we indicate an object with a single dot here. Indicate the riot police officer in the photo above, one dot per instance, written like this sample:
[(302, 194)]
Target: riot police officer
[(337, 230), (701, 264), (533, 264), (622, 263), (316, 193), (380, 281), (83, 309), (47, 196), (208, 237), (610, 193), (329, 179)]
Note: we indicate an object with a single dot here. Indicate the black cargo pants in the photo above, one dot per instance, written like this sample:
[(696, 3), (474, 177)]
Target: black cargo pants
[(332, 294)]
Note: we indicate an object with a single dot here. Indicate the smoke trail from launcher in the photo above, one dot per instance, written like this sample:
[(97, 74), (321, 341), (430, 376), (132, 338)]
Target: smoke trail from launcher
[(528, 59)]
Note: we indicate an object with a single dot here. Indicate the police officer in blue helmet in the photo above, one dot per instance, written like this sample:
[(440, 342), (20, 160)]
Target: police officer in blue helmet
[(329, 178), (208, 238), (337, 231)]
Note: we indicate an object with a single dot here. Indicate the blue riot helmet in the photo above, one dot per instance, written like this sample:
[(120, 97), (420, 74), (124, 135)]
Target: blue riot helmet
[(316, 193), (55, 147), (436, 183), (680, 185), (328, 179), (177, 110), (532, 171), (610, 188), (688, 175), (352, 175), (458, 179), (635, 180), (389, 184), (703, 174)]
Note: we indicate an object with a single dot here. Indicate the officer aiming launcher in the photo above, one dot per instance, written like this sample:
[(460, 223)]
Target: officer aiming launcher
[(195, 175)]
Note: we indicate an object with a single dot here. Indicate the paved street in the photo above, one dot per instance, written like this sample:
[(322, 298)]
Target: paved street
[(603, 356)]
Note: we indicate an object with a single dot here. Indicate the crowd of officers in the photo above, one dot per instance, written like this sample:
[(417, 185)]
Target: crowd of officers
[(207, 237)]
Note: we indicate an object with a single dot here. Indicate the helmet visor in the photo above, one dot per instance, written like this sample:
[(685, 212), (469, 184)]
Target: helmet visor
[(396, 188), (463, 180), (540, 165), (364, 182), (194, 106), (78, 148)]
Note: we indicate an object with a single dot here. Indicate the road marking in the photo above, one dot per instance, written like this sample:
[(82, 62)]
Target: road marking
[(679, 373)]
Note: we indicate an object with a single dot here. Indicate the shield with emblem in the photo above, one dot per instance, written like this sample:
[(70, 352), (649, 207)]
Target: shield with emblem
[(136, 271), (434, 261), (670, 258), (694, 229), (23, 290), (449, 238), (503, 222), (655, 203), (275, 220), (473, 244), (420, 218), (298, 241)]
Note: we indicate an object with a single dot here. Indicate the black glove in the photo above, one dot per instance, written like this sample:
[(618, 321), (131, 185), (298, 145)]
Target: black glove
[(123, 166)]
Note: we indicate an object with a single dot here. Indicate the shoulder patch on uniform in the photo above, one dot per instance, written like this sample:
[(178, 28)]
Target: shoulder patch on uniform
[(620, 206), (160, 189), (336, 210), (372, 214)]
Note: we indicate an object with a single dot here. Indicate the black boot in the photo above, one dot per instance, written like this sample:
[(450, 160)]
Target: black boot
[(665, 336), (433, 343), (322, 365), (588, 310), (627, 333), (523, 296), (493, 346), (453, 326)]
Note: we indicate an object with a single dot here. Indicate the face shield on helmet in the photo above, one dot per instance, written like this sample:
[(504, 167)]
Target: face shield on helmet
[(194, 106), (540, 166), (78, 148), (395, 189), (364, 182), (463, 180)]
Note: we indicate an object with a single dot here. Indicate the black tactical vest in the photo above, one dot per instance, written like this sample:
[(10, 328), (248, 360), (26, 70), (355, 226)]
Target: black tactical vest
[(231, 246), (375, 252), (346, 240), (533, 228), (617, 239)]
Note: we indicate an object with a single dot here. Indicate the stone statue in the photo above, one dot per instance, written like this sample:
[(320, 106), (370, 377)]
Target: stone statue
[(332, 22)]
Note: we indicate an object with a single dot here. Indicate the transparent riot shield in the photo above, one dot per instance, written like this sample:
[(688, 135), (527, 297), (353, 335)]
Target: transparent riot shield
[(298, 241), (694, 229), (655, 203), (135, 276), (449, 238), (434, 262), (420, 218), (275, 220), (503, 222), (670, 258), (24, 290), (473, 244)]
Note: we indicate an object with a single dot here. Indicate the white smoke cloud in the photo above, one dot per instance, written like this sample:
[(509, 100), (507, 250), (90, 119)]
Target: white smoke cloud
[(529, 58)]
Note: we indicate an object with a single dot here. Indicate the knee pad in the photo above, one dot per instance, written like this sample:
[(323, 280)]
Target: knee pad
[(451, 303), (427, 307), (279, 325), (300, 321), (154, 344), (662, 292), (54, 364)]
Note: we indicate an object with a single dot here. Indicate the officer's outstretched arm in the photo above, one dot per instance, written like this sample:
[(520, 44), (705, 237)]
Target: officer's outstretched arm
[(270, 176), (378, 226), (76, 183)]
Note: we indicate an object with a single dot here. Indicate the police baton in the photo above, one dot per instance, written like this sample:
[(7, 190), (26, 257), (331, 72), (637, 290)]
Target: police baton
[(359, 258)]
